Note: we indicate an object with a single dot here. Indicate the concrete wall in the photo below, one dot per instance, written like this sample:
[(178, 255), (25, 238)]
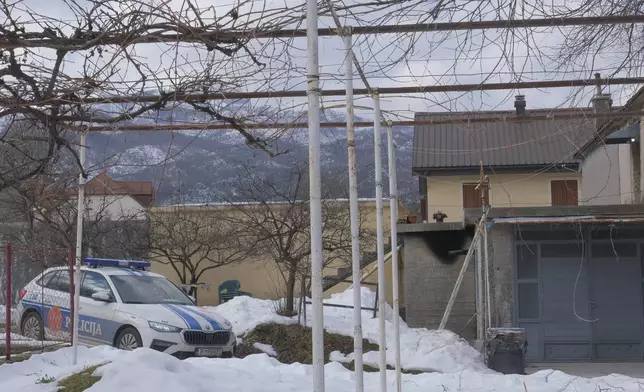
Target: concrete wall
[(428, 285), (502, 273), (600, 173), (429, 282), (445, 193), (260, 278)]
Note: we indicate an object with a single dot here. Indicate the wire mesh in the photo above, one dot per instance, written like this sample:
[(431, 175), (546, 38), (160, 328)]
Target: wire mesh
[(40, 285)]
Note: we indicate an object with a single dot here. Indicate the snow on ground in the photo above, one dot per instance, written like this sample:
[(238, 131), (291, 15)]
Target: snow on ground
[(421, 349), (23, 376), (18, 340), (145, 370), (245, 313), (266, 348)]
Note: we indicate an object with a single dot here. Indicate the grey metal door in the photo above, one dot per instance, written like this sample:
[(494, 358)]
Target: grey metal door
[(566, 332), (582, 300), (616, 300)]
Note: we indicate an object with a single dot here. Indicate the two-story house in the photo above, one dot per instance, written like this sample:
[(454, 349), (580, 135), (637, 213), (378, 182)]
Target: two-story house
[(565, 243), (111, 199), (529, 162)]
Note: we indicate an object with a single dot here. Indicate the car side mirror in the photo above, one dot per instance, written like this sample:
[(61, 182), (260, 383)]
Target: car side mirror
[(102, 296), (193, 299)]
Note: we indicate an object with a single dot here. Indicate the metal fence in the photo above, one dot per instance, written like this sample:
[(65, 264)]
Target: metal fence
[(35, 317)]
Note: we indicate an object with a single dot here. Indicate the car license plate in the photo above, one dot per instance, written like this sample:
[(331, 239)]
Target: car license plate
[(209, 352)]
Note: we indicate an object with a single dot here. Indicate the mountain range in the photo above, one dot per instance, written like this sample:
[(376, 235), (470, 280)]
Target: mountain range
[(195, 166)]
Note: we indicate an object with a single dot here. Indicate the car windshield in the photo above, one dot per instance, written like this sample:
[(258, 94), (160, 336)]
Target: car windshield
[(135, 289)]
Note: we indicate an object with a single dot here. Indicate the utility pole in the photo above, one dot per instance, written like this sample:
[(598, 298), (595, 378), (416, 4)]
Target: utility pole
[(484, 187), (315, 193), (354, 212), (79, 245), (393, 216), (382, 295), (480, 286)]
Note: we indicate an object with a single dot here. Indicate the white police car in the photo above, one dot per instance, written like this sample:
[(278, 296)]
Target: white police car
[(123, 305)]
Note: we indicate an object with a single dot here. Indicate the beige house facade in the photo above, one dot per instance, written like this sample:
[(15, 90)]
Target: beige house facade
[(447, 193), (260, 276)]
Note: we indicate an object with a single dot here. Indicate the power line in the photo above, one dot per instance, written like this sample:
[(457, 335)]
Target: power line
[(296, 125), (199, 97), (70, 44)]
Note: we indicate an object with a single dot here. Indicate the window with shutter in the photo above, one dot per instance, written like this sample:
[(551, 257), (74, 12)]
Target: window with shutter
[(564, 192), (472, 196)]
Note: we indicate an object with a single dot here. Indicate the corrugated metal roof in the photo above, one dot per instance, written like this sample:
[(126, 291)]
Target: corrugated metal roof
[(498, 144)]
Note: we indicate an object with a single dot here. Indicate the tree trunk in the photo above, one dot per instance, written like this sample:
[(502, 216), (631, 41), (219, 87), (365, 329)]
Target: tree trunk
[(290, 290)]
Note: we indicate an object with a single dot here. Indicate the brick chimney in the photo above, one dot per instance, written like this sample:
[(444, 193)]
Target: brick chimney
[(519, 104), (601, 103)]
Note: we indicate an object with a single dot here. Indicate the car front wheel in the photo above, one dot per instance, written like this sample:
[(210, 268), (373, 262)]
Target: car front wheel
[(129, 339)]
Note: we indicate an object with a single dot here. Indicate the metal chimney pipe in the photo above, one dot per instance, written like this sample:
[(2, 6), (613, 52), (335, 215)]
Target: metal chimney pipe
[(519, 104)]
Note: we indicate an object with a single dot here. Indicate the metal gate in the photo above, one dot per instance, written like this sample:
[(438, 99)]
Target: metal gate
[(579, 292)]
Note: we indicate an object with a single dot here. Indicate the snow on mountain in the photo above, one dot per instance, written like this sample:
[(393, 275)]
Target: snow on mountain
[(196, 165)]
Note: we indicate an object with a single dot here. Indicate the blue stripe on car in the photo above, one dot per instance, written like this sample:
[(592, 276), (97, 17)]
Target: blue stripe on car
[(213, 322), (190, 321)]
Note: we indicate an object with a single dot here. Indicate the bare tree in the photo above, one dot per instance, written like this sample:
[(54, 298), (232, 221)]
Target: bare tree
[(276, 217), (60, 67), (44, 213), (194, 240)]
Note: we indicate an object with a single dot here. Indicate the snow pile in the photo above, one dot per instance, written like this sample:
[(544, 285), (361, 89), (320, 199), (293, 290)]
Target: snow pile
[(421, 349), (23, 376), (245, 313), (145, 370), (266, 348)]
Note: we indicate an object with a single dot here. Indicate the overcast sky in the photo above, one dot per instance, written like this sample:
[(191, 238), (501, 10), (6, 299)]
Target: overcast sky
[(434, 60)]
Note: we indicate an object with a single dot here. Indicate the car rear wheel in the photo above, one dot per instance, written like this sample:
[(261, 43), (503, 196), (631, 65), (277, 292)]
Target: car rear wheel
[(32, 326), (129, 339)]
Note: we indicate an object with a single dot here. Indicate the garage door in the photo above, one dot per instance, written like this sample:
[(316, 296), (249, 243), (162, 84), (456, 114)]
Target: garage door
[(582, 299)]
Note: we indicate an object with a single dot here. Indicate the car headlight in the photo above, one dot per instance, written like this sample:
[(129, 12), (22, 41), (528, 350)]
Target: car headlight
[(160, 327)]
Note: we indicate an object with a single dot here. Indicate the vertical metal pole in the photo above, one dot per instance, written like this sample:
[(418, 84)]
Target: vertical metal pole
[(354, 213), (480, 292), (488, 297), (8, 255), (79, 244), (71, 258), (304, 306), (382, 297), (393, 216), (315, 193)]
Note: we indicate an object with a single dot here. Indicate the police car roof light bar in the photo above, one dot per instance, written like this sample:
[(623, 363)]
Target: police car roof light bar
[(117, 263)]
